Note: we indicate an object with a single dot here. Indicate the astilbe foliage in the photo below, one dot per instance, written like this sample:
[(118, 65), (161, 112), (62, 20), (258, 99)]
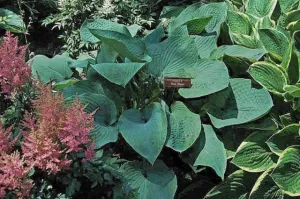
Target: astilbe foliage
[(14, 72), (59, 130), (14, 175)]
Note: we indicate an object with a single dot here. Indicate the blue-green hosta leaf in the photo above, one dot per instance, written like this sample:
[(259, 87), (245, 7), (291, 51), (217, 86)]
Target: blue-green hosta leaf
[(208, 76), (238, 104), (237, 51), (48, 70), (194, 26), (254, 155), (154, 36), (239, 22), (11, 21), (106, 115), (180, 31), (238, 66), (260, 8), (185, 127), (269, 76), (284, 138), (236, 185), (150, 182), (287, 172), (265, 188), (106, 55), (126, 46), (81, 87), (199, 10), (171, 55), (171, 11), (287, 5), (275, 42), (118, 73), (100, 24), (133, 29), (146, 131), (205, 44), (202, 150), (265, 124), (64, 84)]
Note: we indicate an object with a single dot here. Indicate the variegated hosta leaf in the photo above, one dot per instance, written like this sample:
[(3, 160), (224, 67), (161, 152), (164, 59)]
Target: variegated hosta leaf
[(208, 150), (269, 76), (146, 131), (284, 138), (238, 104), (287, 5), (208, 76), (254, 155), (287, 172), (265, 188), (236, 185), (260, 8), (150, 182), (11, 21), (275, 42), (185, 127), (239, 22)]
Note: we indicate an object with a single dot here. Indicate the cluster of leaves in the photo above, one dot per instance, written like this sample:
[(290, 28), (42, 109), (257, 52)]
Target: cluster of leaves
[(72, 13)]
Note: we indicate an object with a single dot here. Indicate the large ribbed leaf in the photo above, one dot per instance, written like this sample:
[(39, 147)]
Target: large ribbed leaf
[(254, 155), (269, 76), (239, 22), (11, 21), (206, 44), (150, 182), (236, 185), (284, 138), (48, 70), (209, 151), (275, 42), (237, 51), (260, 8), (198, 10), (118, 73), (287, 172), (265, 188), (238, 104), (146, 131), (126, 46), (81, 87), (208, 76), (154, 36), (100, 24), (171, 55), (185, 127), (106, 115)]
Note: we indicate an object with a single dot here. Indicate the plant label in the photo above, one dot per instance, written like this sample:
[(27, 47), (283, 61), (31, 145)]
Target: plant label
[(177, 82)]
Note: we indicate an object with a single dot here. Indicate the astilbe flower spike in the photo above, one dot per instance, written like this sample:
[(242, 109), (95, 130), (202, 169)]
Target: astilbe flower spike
[(5, 143), (14, 175), (14, 72)]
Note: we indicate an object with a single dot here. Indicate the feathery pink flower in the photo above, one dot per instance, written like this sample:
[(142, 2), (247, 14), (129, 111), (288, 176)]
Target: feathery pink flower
[(14, 72), (5, 144)]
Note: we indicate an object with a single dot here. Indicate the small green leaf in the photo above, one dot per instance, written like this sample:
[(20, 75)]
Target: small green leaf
[(284, 138), (269, 76), (145, 132), (254, 155), (209, 151), (185, 127), (118, 73), (287, 172)]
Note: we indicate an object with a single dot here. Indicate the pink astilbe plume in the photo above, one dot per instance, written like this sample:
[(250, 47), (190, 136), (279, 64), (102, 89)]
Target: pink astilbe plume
[(14, 72), (5, 143), (14, 175), (59, 130)]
